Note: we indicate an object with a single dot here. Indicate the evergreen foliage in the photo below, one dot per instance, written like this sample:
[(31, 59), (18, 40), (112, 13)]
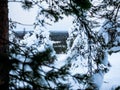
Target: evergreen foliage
[(88, 47), (84, 4), (27, 4), (26, 70)]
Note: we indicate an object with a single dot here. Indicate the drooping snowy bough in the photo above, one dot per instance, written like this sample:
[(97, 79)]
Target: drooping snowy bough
[(89, 43)]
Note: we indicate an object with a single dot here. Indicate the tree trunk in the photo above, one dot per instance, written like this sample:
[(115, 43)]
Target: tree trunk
[(4, 60)]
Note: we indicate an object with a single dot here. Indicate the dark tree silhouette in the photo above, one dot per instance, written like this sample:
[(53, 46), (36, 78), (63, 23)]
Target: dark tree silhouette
[(4, 61)]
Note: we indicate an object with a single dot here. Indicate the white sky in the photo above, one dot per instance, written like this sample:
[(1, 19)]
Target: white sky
[(17, 13)]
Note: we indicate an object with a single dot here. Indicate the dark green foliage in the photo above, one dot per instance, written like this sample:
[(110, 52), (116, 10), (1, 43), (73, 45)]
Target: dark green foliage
[(42, 57), (81, 77), (117, 88), (26, 88), (39, 59), (52, 13), (84, 4), (27, 4), (56, 10), (51, 74), (26, 70), (62, 87), (36, 78)]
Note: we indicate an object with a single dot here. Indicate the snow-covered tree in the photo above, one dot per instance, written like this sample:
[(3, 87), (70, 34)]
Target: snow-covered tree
[(89, 43), (28, 59)]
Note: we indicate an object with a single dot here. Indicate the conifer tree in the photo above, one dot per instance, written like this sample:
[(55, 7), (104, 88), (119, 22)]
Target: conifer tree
[(4, 61), (36, 77), (88, 47)]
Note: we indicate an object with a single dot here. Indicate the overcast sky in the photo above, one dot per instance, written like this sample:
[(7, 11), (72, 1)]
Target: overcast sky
[(17, 13)]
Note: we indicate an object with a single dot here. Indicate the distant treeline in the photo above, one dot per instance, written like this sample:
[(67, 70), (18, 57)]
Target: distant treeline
[(58, 37)]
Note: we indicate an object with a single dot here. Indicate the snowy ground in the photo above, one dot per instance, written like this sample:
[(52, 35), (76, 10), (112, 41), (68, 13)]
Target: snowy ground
[(112, 78)]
